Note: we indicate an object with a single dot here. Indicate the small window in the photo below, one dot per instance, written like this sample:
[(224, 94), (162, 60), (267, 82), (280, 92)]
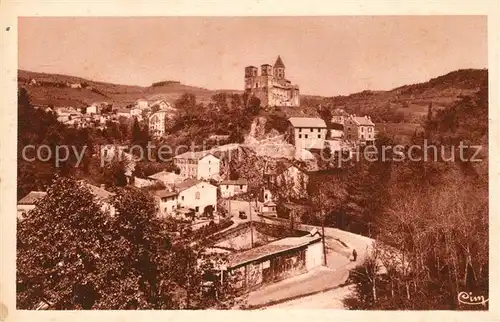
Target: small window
[(197, 208), (319, 130), (182, 198), (300, 136), (319, 136), (241, 186), (305, 136), (312, 130), (300, 129)]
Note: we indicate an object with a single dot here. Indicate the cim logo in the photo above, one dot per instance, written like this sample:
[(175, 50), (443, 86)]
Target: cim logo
[(469, 299)]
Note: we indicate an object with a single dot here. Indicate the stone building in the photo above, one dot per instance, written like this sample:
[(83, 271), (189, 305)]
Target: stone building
[(360, 130), (271, 86)]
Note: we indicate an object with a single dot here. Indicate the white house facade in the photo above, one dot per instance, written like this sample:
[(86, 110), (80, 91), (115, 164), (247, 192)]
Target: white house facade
[(197, 195), (157, 124), (229, 188), (307, 132), (200, 165)]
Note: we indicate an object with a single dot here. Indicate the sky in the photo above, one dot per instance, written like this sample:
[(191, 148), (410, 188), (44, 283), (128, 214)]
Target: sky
[(335, 55)]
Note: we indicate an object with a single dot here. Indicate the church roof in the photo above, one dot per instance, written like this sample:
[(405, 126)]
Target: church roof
[(279, 62)]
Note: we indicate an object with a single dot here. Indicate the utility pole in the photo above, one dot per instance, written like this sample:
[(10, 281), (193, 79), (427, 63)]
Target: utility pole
[(323, 236), (251, 223)]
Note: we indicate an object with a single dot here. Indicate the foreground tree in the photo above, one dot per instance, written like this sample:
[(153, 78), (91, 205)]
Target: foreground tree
[(62, 249), (439, 240), (72, 255), (140, 256)]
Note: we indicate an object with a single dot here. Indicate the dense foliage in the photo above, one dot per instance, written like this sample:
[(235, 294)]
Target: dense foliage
[(435, 215), (71, 254)]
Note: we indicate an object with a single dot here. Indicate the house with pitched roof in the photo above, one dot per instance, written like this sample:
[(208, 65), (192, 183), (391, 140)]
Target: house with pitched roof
[(168, 179), (163, 105), (167, 202), (102, 197), (188, 197), (229, 188), (198, 195), (28, 203), (307, 132), (201, 165), (360, 130)]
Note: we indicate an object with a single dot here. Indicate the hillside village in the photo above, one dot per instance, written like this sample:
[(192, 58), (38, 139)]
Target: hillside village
[(257, 200)]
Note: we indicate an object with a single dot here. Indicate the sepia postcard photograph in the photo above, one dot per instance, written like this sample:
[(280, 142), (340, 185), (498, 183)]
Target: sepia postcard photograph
[(264, 162)]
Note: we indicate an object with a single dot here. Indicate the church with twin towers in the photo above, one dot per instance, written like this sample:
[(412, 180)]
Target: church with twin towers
[(271, 86)]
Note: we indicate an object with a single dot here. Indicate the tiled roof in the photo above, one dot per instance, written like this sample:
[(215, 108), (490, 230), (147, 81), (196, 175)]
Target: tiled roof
[(279, 62), (363, 120), (270, 249), (100, 193), (187, 184), (142, 182), (255, 253), (234, 182), (166, 177), (307, 122), (165, 193), (32, 197)]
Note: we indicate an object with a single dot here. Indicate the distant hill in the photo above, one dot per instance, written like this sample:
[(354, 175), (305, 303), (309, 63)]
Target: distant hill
[(410, 100), (54, 89)]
